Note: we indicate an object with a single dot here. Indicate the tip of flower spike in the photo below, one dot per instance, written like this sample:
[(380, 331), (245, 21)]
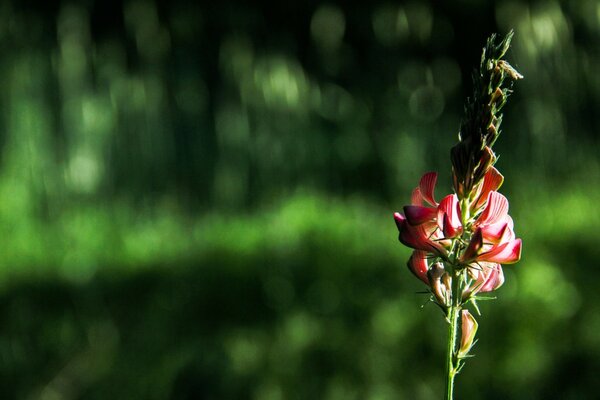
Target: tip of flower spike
[(510, 71)]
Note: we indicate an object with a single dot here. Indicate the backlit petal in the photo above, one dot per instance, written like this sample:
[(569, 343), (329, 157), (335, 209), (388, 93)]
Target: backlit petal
[(507, 253), (496, 209), (427, 186), (509, 233), (491, 182), (417, 264), (494, 280), (416, 199), (495, 232)]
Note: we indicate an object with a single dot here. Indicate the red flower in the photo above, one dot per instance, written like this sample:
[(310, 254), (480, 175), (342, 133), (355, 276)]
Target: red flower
[(419, 237)]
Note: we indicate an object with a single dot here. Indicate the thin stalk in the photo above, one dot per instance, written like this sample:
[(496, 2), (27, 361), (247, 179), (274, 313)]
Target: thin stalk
[(450, 367)]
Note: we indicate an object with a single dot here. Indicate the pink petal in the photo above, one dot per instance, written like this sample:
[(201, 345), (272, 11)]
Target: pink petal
[(494, 280), (416, 199), (426, 187), (488, 277), (495, 232), (416, 215), (417, 264), (500, 232), (507, 253), (509, 233), (496, 209), (491, 182)]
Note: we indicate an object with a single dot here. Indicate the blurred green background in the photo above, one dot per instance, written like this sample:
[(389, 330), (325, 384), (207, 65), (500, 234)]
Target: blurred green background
[(196, 199)]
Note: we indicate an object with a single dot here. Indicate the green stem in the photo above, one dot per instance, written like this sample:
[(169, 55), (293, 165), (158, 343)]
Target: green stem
[(450, 367)]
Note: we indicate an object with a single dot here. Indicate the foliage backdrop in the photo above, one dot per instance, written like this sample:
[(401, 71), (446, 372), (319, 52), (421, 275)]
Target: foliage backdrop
[(196, 199)]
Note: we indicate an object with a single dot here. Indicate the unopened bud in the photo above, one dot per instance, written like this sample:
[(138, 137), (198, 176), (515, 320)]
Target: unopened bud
[(498, 94), (447, 281), (468, 328), (509, 70), (440, 283)]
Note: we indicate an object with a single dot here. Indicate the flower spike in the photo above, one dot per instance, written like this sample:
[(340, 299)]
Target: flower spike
[(460, 243)]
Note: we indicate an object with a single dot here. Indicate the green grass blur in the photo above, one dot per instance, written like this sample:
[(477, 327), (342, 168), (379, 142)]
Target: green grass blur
[(196, 200)]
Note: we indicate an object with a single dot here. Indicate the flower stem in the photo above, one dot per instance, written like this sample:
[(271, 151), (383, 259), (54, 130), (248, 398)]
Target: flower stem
[(453, 314), (450, 367)]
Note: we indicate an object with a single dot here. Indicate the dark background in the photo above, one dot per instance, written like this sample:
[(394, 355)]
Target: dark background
[(196, 199)]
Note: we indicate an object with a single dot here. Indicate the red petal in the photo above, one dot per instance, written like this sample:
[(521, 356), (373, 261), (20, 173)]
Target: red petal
[(474, 247), (426, 187), (448, 216), (495, 210), (417, 237), (491, 182), (507, 253), (416, 215), (417, 264), (449, 230)]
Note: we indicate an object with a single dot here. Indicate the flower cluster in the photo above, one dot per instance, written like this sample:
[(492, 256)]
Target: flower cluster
[(475, 234)]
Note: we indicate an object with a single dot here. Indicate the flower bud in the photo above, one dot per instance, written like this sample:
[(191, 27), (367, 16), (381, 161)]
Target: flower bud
[(440, 283), (468, 328), (509, 70)]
